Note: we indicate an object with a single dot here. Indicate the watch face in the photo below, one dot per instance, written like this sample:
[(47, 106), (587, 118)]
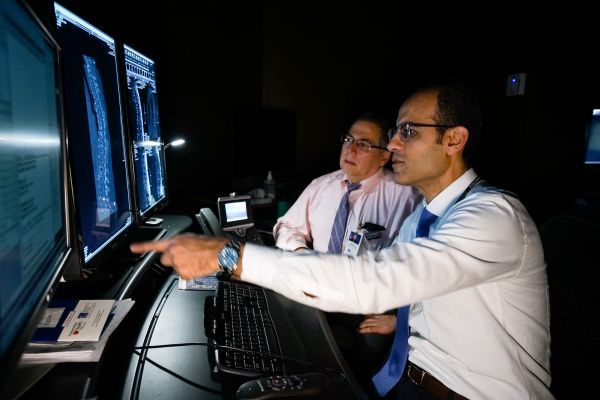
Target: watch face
[(228, 257)]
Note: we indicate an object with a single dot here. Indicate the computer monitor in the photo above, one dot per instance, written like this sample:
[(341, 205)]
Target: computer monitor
[(592, 143), (34, 243), (144, 131), (96, 141)]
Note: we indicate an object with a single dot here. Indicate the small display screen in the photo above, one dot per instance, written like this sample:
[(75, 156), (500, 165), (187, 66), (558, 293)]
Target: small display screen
[(236, 211)]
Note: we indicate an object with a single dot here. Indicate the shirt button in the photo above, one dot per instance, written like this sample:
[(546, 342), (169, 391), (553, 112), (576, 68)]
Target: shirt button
[(416, 308)]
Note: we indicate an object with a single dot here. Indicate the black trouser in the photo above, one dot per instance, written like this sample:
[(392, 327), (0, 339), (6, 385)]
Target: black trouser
[(404, 390), (365, 353)]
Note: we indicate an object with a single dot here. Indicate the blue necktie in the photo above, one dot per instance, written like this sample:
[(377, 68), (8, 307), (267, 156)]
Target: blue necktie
[(392, 370), (341, 219)]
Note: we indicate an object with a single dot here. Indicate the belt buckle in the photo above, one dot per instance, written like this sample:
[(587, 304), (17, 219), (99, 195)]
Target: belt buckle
[(411, 378)]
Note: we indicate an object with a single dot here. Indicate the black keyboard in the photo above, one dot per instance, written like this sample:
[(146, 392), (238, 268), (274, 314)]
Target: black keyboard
[(243, 324)]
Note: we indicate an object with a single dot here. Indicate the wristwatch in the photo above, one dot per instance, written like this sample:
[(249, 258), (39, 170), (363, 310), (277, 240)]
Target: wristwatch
[(229, 255)]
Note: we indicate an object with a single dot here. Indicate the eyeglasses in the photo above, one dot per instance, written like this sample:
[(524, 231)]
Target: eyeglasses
[(362, 145), (407, 132)]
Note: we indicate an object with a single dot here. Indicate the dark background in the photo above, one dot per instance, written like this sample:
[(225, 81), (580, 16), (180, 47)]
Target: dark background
[(239, 79)]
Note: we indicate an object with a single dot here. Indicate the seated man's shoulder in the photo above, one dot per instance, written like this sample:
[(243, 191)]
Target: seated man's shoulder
[(496, 202), (335, 176)]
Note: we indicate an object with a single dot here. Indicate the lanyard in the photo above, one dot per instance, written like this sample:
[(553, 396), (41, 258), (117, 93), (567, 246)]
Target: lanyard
[(468, 189)]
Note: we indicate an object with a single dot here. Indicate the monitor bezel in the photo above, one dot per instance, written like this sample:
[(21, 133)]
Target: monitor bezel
[(10, 360)]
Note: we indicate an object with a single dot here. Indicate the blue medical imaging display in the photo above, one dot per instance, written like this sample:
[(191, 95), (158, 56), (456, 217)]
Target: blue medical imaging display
[(148, 148), (33, 233), (96, 142), (592, 148)]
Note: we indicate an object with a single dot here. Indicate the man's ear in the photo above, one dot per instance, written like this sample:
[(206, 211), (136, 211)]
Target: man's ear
[(456, 139)]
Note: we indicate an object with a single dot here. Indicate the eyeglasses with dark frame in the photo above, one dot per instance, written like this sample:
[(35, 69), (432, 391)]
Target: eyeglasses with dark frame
[(407, 133), (361, 144)]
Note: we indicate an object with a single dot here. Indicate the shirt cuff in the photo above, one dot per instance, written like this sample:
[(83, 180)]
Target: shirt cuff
[(258, 267)]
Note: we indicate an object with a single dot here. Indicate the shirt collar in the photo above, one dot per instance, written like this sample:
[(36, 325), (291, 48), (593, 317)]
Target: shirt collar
[(368, 183), (450, 194)]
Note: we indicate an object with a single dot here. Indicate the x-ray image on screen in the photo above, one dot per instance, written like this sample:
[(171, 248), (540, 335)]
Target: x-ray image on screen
[(96, 136), (148, 151), (100, 143)]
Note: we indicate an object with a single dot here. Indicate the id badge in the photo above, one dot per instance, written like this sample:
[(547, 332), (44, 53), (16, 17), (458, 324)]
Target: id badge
[(352, 245)]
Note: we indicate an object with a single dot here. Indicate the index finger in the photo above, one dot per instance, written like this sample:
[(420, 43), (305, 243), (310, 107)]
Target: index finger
[(144, 247)]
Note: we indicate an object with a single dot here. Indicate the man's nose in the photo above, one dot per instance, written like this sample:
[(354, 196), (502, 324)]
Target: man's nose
[(395, 144)]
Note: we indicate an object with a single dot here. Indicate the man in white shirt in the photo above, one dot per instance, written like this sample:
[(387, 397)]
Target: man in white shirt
[(477, 285), (378, 200)]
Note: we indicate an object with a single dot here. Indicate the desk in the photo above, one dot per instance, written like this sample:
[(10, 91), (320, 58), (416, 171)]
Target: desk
[(140, 281), (185, 372), (164, 314), (176, 317)]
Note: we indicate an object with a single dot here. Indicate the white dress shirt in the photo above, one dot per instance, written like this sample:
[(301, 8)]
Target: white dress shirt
[(379, 200), (478, 288)]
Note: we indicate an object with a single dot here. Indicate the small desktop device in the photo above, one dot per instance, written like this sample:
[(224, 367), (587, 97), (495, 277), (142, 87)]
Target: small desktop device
[(147, 147), (590, 177), (592, 142), (34, 234), (235, 213), (96, 138)]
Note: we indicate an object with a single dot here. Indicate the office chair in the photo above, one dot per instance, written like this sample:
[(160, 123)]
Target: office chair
[(572, 253)]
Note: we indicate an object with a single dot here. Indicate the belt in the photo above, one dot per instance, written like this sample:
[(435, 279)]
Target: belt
[(424, 379)]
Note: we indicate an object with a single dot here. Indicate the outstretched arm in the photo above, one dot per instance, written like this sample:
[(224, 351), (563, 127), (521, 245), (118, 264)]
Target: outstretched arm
[(190, 255)]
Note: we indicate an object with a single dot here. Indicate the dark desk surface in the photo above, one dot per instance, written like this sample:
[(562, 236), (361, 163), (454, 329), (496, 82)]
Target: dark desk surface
[(172, 372), (185, 372)]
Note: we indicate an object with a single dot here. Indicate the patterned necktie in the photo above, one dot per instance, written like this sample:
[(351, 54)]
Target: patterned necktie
[(392, 370), (341, 219)]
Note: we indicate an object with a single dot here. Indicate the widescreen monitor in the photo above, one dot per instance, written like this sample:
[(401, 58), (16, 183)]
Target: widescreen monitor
[(33, 230), (96, 138), (592, 145), (144, 129)]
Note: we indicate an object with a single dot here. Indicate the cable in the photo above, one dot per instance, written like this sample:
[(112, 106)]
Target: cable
[(176, 375), (340, 374)]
